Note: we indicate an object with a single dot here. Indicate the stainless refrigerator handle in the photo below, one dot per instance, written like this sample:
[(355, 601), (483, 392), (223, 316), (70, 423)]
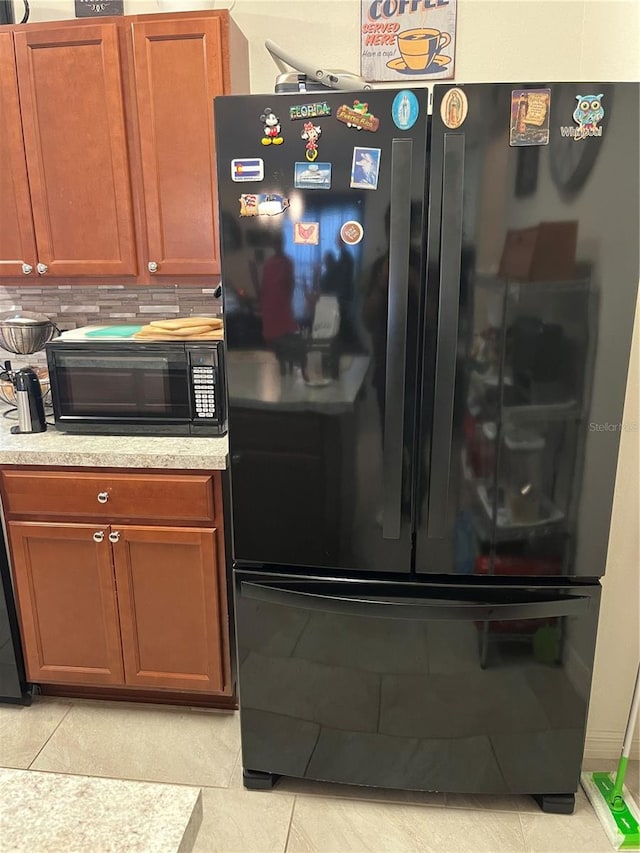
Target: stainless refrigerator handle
[(424, 610), (396, 352), (447, 335)]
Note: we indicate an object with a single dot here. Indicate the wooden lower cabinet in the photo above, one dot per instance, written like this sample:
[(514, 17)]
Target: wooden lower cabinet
[(66, 592), (122, 605), (169, 602)]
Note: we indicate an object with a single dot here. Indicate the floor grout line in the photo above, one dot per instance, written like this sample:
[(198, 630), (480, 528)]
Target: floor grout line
[(113, 778), (293, 808), (60, 722), (525, 846)]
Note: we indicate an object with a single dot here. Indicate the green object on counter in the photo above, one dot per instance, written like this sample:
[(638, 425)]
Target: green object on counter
[(114, 332)]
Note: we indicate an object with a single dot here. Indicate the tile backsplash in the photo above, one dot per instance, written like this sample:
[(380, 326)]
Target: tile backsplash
[(70, 306)]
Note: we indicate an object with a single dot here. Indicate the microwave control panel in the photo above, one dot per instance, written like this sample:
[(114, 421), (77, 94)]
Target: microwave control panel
[(203, 381), (207, 389)]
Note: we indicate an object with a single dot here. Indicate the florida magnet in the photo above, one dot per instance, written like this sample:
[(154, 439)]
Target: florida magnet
[(320, 109)]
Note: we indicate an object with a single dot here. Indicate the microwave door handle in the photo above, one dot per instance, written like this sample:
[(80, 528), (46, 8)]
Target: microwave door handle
[(422, 610), (396, 353), (447, 334)]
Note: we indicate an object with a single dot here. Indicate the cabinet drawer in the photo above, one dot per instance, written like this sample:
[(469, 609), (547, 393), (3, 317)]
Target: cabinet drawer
[(111, 497)]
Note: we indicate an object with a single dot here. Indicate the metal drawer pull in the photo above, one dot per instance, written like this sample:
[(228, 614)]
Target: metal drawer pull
[(27, 269), (103, 497), (115, 536), (98, 536)]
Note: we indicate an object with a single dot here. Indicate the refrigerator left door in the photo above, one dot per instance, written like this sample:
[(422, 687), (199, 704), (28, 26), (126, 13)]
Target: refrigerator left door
[(322, 224), (13, 683)]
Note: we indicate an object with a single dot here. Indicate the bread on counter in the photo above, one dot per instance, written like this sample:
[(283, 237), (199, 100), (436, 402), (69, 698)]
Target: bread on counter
[(182, 329)]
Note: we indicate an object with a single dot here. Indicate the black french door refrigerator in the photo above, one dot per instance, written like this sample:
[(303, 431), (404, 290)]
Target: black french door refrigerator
[(428, 315)]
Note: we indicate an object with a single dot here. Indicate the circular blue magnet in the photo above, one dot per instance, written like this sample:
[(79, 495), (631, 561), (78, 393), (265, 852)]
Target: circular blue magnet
[(405, 109)]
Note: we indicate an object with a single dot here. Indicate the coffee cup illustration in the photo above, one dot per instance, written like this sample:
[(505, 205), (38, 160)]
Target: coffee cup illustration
[(420, 46)]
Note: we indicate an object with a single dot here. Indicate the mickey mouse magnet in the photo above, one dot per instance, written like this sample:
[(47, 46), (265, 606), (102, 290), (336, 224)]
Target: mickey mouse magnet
[(272, 132)]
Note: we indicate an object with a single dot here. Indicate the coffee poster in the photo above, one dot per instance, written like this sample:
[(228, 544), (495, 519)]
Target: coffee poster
[(405, 40)]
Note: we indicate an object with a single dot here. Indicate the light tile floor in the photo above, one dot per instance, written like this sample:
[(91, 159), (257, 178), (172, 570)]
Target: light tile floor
[(202, 748)]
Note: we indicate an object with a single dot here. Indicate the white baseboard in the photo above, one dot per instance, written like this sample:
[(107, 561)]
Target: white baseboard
[(607, 745)]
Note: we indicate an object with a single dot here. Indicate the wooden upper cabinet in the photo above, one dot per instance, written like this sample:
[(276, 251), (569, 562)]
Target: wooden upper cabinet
[(67, 603), (75, 141), (170, 608), (17, 240), (179, 69)]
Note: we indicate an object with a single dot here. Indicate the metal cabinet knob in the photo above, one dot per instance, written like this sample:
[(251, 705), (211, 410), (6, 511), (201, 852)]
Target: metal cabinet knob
[(27, 269), (98, 536), (103, 497), (152, 266), (42, 268), (115, 536)]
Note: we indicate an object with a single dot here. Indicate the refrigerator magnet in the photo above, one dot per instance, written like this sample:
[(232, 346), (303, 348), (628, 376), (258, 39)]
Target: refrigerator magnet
[(306, 233), (587, 115), (529, 123), (320, 109), (312, 176), (358, 116), (311, 134), (264, 204), (405, 109), (454, 108), (364, 168), (247, 170), (271, 130), (351, 232)]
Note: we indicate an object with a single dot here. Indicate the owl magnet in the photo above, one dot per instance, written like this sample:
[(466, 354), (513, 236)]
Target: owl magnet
[(587, 115), (530, 117)]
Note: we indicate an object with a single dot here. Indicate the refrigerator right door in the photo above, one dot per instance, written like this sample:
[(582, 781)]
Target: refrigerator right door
[(531, 293)]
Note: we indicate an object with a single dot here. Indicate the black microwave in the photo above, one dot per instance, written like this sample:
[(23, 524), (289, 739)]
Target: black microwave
[(138, 388)]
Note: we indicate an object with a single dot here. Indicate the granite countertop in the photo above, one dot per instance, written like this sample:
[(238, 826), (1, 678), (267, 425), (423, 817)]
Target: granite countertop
[(110, 451)]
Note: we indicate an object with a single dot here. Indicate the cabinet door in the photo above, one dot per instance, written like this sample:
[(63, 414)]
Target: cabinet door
[(75, 142), (170, 608), (17, 241), (179, 70), (67, 602)]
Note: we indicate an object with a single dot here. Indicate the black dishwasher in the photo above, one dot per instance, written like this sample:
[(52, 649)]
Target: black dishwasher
[(13, 683)]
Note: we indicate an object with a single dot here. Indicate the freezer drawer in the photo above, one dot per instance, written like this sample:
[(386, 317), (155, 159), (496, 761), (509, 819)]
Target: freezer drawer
[(438, 687)]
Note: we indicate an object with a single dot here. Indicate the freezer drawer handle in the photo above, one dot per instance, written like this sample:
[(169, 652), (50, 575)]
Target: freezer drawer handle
[(426, 610), (447, 337), (398, 293)]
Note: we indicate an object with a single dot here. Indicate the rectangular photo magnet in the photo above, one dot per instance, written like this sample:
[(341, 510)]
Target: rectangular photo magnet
[(364, 168)]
